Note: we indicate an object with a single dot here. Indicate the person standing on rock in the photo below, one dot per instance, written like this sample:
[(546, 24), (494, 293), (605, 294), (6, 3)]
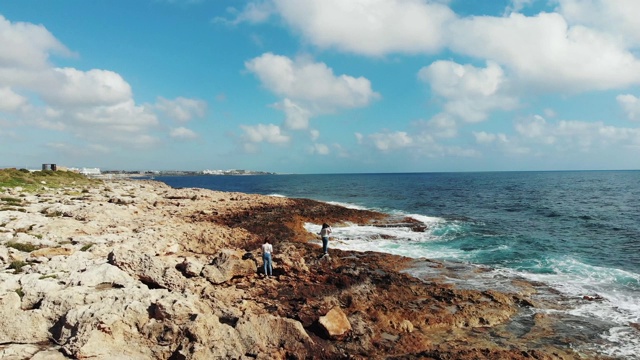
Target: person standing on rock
[(267, 249), (324, 234)]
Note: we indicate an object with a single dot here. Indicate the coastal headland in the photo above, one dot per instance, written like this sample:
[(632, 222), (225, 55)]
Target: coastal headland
[(135, 269)]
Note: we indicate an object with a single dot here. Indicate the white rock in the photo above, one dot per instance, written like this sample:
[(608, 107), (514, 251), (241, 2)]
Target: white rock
[(9, 282), (101, 274), (20, 326), (18, 351), (35, 288)]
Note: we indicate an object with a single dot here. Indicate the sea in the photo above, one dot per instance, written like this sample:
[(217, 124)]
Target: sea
[(575, 232)]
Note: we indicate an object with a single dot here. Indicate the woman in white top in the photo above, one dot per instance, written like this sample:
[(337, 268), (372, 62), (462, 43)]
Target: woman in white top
[(267, 249), (324, 233)]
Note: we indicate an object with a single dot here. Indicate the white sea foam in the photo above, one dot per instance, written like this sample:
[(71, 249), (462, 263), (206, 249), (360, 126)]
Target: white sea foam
[(626, 340), (428, 220), (572, 278), (347, 205), (277, 195)]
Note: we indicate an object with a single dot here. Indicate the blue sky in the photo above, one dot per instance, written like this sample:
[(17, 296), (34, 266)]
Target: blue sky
[(321, 86)]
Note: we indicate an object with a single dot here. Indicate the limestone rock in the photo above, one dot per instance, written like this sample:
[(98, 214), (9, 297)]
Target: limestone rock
[(35, 288), (49, 355), (20, 326), (191, 267), (335, 323), (101, 275), (18, 351), (4, 255), (227, 265), (267, 331), (149, 269), (51, 252)]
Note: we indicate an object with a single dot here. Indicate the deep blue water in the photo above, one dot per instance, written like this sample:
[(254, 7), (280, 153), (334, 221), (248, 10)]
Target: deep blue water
[(578, 231), (592, 215)]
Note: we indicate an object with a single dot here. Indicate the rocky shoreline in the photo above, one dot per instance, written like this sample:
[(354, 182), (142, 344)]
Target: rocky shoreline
[(134, 269)]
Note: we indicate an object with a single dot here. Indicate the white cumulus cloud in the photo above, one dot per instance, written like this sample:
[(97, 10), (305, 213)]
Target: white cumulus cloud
[(264, 133), (630, 105), (319, 149), (71, 87), (390, 140), (545, 51), (27, 46), (182, 109), (612, 16), (483, 137), (371, 27), (10, 101), (296, 117), (183, 133), (471, 93), (311, 83)]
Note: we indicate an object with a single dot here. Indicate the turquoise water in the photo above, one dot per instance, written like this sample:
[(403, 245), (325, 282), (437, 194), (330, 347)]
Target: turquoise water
[(578, 232)]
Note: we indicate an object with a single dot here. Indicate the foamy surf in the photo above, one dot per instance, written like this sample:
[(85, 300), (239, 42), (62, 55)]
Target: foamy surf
[(609, 318)]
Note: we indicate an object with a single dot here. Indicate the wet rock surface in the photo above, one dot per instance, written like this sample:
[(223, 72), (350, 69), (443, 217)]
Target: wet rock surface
[(145, 271)]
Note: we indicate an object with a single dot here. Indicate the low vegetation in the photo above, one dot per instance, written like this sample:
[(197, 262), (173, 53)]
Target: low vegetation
[(33, 181), (22, 246), (86, 247), (17, 266)]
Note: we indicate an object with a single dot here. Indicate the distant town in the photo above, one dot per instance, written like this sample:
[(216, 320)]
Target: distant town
[(96, 172), (185, 173)]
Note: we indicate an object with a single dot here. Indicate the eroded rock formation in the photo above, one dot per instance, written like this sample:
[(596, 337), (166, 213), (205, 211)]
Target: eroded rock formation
[(138, 270)]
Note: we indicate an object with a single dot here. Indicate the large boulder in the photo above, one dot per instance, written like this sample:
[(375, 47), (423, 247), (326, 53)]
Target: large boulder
[(21, 326), (259, 333), (227, 265), (335, 323), (151, 270)]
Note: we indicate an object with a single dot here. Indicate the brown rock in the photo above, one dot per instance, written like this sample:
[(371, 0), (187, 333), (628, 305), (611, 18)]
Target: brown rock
[(51, 252)]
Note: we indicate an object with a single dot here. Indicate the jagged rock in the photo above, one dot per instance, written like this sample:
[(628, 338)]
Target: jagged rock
[(18, 352), (20, 326), (115, 323), (49, 355), (261, 332), (335, 323), (121, 200), (4, 255), (101, 276), (140, 306), (35, 288), (148, 269), (191, 267), (227, 265)]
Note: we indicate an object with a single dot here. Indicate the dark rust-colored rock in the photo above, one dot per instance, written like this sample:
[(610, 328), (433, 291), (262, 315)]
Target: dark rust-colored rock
[(392, 314)]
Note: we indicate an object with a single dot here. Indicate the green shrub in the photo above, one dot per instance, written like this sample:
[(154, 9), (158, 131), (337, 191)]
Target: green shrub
[(11, 200), (30, 181), (17, 266), (86, 247), (22, 247)]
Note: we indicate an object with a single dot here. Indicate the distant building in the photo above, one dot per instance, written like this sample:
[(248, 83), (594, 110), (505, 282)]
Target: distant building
[(90, 171)]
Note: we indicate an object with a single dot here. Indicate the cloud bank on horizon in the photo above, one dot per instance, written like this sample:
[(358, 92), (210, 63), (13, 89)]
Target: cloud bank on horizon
[(330, 86)]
